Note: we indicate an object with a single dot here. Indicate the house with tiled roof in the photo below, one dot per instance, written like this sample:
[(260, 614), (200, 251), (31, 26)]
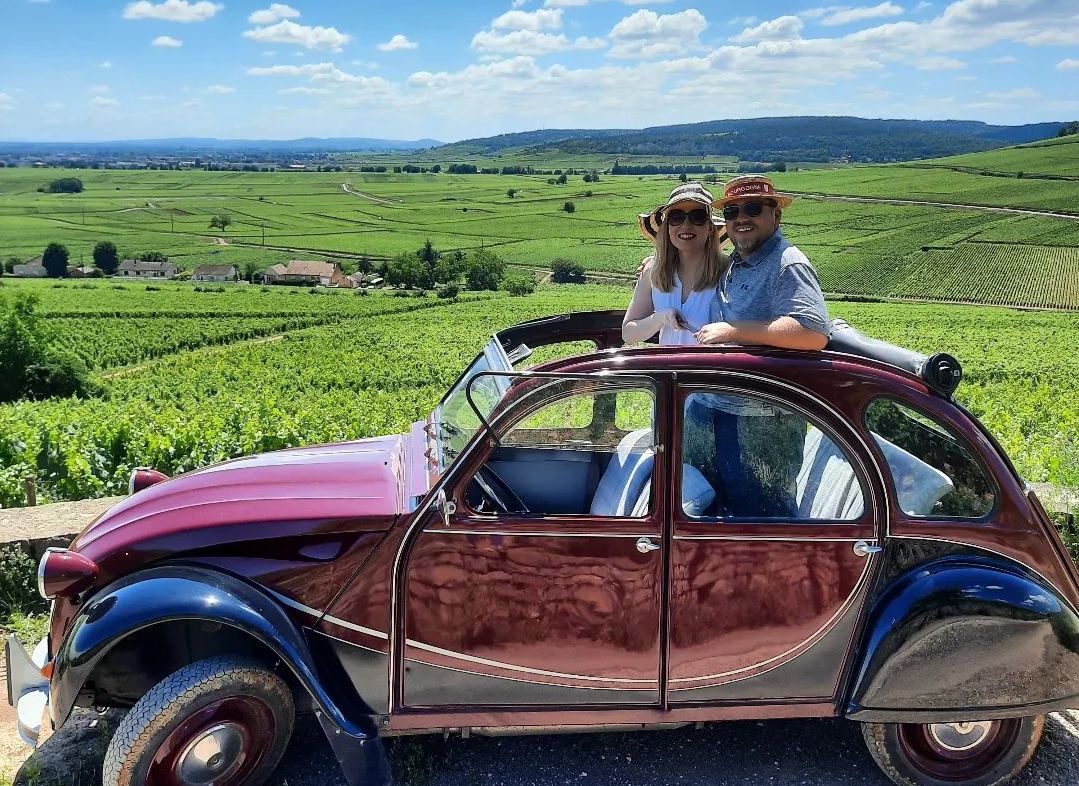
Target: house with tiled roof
[(138, 268), (216, 273), (300, 272)]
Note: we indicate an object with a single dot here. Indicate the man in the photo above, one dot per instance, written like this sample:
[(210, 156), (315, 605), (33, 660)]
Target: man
[(770, 294)]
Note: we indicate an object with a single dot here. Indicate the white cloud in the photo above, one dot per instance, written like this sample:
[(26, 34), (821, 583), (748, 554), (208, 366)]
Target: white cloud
[(1018, 94), (784, 28), (646, 34), (846, 16), (938, 63), (543, 19), (167, 41), (275, 13), (305, 91), (286, 32), (370, 65), (172, 10), (220, 90), (1068, 64), (97, 90), (397, 43), (528, 42), (743, 21), (104, 64), (554, 3), (102, 101), (5, 101), (1007, 59)]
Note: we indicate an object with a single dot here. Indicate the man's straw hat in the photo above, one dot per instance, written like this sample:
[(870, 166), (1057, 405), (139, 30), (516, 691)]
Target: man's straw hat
[(750, 187)]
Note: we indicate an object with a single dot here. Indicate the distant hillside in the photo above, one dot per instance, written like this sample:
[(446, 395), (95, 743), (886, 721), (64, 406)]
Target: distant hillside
[(210, 146), (817, 139), (1055, 158)]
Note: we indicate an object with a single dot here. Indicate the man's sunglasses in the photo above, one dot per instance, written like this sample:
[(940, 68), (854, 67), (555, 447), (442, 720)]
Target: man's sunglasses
[(751, 209), (698, 217)]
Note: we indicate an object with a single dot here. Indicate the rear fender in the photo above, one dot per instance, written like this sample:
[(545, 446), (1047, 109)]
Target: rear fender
[(186, 593), (963, 637)]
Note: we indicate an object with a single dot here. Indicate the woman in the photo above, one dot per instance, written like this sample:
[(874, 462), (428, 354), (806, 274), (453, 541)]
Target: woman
[(673, 295)]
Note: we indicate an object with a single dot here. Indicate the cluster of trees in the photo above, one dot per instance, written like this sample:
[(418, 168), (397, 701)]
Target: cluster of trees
[(32, 366), (662, 169), (427, 268), (1069, 129), (63, 185)]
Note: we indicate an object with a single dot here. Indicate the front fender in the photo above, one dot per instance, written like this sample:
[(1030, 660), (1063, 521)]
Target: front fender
[(181, 592), (963, 637)]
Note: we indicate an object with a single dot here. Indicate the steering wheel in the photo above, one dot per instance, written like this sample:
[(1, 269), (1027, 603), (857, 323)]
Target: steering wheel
[(498, 493)]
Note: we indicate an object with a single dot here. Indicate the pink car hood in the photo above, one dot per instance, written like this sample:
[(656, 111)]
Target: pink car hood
[(360, 479)]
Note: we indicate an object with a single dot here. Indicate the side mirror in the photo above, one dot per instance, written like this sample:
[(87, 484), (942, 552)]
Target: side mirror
[(447, 506)]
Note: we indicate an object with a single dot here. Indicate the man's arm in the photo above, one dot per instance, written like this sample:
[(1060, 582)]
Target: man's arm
[(784, 332)]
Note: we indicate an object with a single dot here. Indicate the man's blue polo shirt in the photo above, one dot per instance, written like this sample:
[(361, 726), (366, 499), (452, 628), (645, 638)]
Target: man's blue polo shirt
[(774, 281)]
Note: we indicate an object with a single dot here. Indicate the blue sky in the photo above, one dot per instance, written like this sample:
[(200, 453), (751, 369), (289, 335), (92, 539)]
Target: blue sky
[(109, 69)]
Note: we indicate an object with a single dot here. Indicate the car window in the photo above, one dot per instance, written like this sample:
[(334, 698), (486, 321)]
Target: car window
[(933, 469), (588, 450), (745, 457)]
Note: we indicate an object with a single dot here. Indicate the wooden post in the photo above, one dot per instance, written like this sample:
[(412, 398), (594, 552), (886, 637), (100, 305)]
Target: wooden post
[(31, 492)]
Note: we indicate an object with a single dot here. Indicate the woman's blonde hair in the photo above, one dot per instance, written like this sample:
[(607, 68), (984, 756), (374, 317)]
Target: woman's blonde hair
[(666, 259)]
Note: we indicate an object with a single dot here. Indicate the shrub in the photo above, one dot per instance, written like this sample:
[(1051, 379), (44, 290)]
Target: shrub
[(18, 582), (519, 284), (569, 207), (566, 271), (485, 270), (65, 185), (451, 290), (31, 365)]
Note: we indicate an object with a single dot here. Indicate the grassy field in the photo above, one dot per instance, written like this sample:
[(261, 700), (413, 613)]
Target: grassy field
[(384, 362), (872, 249)]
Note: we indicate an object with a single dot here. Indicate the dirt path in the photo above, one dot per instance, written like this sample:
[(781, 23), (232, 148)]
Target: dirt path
[(946, 205), (348, 189)]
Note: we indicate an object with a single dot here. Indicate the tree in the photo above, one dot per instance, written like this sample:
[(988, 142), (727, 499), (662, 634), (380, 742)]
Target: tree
[(55, 260), (450, 266), (436, 168), (220, 221), (566, 271), (485, 270), (106, 257), (408, 270), (511, 192), (250, 269), (31, 364), (65, 185), (562, 179), (519, 284), (153, 256), (10, 263), (682, 178), (569, 207), (587, 177)]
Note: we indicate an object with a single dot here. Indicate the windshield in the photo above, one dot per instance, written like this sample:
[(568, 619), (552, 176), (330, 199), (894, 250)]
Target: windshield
[(455, 421)]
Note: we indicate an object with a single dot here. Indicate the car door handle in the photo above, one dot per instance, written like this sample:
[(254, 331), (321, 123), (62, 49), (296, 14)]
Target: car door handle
[(864, 549), (645, 545)]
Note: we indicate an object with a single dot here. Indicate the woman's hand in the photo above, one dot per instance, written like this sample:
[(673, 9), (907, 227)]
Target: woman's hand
[(672, 318)]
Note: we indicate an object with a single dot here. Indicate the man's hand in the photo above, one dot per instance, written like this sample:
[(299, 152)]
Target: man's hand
[(717, 333)]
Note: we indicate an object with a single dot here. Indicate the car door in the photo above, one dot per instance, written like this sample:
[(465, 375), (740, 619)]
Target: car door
[(773, 548), (544, 585)]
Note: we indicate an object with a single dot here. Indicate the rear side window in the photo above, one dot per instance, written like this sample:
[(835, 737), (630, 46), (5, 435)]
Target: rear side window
[(933, 469)]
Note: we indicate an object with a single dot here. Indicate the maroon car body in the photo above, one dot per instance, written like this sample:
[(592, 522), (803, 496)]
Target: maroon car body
[(469, 577)]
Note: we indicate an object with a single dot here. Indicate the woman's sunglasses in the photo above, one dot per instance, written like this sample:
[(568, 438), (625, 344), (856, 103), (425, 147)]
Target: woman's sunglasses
[(698, 217), (751, 209)]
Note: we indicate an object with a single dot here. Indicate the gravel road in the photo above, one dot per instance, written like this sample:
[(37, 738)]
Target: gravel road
[(775, 753)]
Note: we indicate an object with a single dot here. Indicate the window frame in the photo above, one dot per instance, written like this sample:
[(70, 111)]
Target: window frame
[(872, 524), (955, 434)]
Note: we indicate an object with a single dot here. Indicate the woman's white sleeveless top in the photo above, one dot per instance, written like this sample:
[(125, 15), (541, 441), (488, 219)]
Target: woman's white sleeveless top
[(695, 310)]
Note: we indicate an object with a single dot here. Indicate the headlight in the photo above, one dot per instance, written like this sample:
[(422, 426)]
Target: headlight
[(63, 572)]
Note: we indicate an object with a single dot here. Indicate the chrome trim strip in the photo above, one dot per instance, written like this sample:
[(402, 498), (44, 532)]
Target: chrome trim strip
[(813, 640), (1062, 596), (324, 616), (534, 534), (775, 538), (349, 643), (536, 682), (523, 669)]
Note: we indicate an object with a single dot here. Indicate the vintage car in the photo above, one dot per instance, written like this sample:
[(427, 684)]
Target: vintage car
[(586, 544)]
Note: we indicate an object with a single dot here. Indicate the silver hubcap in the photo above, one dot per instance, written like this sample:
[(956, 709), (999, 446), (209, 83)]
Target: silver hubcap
[(960, 736), (212, 756)]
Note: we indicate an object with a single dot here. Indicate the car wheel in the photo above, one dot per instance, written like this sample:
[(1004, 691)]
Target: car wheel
[(974, 753), (223, 721)]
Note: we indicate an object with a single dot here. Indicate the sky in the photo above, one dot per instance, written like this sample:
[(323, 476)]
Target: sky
[(90, 70)]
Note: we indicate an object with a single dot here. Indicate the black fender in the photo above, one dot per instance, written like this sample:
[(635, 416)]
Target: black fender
[(184, 592), (966, 637)]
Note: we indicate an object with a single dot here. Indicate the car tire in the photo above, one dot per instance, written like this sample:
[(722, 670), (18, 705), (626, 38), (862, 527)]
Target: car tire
[(224, 720), (981, 753)]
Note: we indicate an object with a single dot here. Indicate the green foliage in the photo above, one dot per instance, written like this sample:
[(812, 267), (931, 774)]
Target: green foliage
[(511, 192), (519, 284), (32, 366), (220, 221), (451, 290), (566, 271), (106, 257), (569, 207), (153, 256), (29, 628), (1069, 129), (66, 185), (484, 270), (408, 270), (18, 583), (55, 260)]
